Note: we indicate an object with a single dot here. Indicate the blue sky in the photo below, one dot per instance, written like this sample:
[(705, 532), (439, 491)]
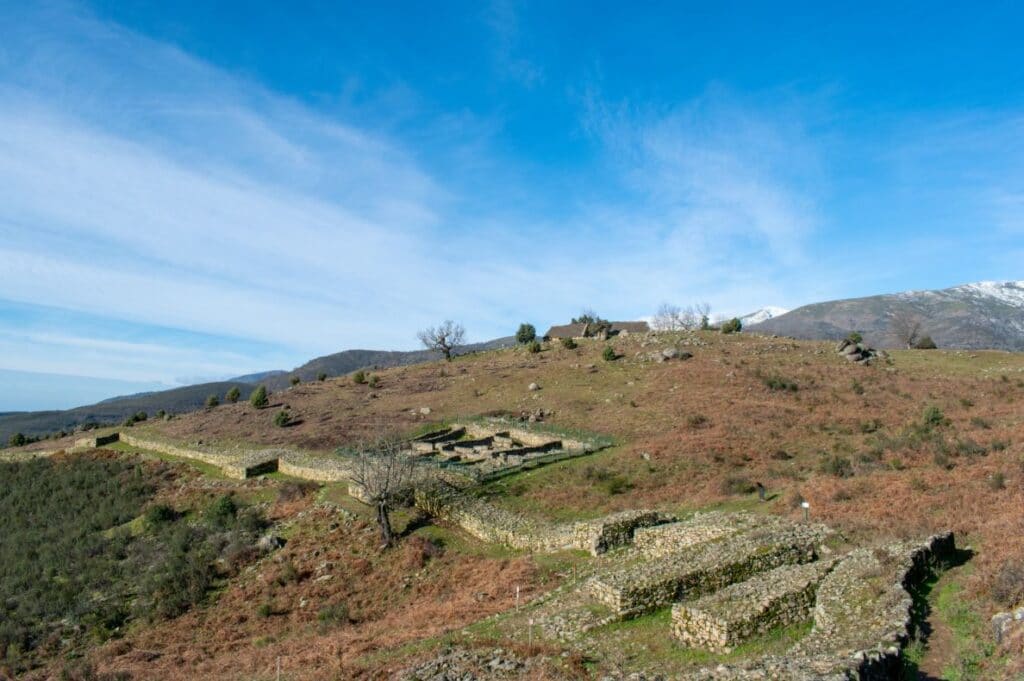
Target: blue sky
[(191, 191)]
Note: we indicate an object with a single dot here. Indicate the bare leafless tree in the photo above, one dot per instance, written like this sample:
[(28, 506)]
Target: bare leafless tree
[(444, 338), (906, 326), (668, 318), (702, 312), (386, 474)]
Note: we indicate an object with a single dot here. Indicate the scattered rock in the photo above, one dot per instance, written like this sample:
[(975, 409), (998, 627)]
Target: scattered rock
[(533, 386), (425, 410), (270, 542)]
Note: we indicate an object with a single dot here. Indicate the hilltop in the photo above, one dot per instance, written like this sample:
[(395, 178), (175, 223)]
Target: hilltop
[(903, 448), (971, 316)]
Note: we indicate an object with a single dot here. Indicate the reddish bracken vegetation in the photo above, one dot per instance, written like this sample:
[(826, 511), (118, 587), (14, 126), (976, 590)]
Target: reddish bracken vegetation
[(325, 600)]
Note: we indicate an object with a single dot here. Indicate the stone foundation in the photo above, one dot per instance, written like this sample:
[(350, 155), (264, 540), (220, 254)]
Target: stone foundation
[(776, 598)]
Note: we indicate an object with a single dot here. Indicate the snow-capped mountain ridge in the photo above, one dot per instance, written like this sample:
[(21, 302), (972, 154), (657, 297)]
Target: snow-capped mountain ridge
[(985, 314), (763, 315)]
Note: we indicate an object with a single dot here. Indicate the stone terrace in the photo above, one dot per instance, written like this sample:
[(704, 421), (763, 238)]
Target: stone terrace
[(696, 569), (775, 598)]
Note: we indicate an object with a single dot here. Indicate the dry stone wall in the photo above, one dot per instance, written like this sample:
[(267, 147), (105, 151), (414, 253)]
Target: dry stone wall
[(493, 524), (779, 597)]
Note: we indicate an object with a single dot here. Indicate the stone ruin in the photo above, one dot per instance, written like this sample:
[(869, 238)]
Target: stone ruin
[(484, 451), (729, 577)]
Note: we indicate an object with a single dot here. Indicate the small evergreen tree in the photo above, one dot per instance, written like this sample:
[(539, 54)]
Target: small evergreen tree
[(17, 440), (734, 325), (526, 334), (295, 380), (258, 398), (233, 395), (609, 354), (282, 419), (212, 401), (321, 377)]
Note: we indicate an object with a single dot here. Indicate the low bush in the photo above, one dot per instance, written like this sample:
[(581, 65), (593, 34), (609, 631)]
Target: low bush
[(568, 344), (295, 380), (855, 337), (212, 401), (1008, 586), (933, 418), (836, 465), (737, 484), (696, 421), (609, 354), (926, 343), (734, 325), (359, 377), (160, 514), (17, 440), (776, 382), (233, 395), (282, 419), (321, 377), (533, 347), (333, 614), (997, 481), (373, 381), (258, 398)]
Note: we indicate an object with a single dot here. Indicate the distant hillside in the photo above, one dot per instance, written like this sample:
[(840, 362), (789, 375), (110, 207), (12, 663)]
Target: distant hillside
[(971, 316), (183, 399), (341, 363), (259, 377), (190, 398)]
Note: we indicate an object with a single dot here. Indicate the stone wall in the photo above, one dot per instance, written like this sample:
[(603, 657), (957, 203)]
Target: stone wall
[(652, 584), (728, 617), (493, 524)]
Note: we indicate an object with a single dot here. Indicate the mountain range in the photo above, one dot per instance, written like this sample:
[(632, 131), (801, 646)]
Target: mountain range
[(986, 314), (189, 398)]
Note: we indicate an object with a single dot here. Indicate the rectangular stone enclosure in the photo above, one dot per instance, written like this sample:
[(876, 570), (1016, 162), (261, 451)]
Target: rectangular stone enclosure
[(725, 619)]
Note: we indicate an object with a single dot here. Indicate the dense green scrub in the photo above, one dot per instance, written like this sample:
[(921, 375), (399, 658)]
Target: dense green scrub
[(78, 559)]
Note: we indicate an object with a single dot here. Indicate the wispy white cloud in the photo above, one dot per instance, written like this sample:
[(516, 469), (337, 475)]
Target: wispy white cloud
[(504, 17)]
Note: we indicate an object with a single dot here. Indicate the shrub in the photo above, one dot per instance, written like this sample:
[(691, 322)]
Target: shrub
[(926, 343), (359, 377), (979, 422), (533, 346), (737, 484), (333, 614), (526, 334), (942, 461), (856, 387), (569, 344), (734, 325), (17, 440), (1008, 587), (222, 511), (290, 491), (140, 416), (933, 417), (321, 377), (781, 455), (609, 354), (997, 481), (212, 401), (233, 395), (855, 337), (776, 382), (159, 514), (617, 484), (161, 414), (373, 381), (839, 466), (295, 380), (696, 420), (282, 419), (258, 398)]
